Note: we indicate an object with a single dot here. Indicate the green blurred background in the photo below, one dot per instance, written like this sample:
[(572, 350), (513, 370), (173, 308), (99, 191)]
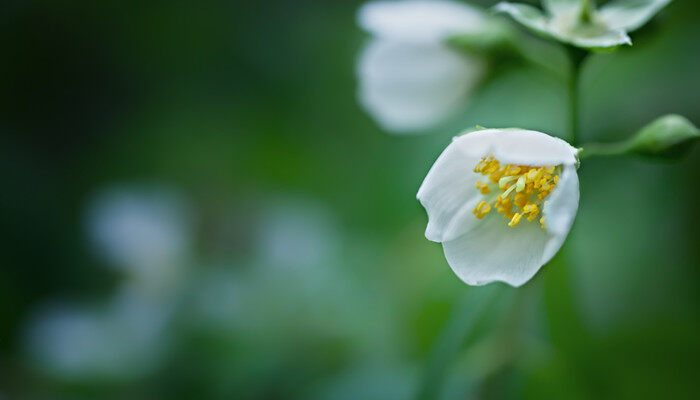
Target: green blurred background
[(195, 206)]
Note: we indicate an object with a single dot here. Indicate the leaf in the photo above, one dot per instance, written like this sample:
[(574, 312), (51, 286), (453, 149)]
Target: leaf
[(668, 137)]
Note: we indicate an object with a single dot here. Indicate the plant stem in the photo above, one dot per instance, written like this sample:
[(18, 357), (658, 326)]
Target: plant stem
[(604, 150), (453, 335), (576, 56)]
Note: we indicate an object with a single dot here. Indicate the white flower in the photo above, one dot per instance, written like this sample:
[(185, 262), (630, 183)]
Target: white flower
[(142, 230), (576, 22), (527, 177), (409, 79), (123, 339)]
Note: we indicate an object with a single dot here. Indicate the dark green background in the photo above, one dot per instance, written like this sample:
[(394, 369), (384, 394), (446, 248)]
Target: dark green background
[(247, 106)]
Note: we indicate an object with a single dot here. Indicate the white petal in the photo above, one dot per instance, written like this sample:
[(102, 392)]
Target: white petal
[(419, 21), (559, 7), (629, 15), (408, 87), (531, 17), (592, 39), (449, 192), (524, 147), (561, 205), (493, 251)]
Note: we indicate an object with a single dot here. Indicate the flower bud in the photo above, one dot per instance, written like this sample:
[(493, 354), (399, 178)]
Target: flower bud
[(667, 137)]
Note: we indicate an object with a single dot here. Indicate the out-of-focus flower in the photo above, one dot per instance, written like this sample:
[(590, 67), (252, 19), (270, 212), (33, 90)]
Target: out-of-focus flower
[(501, 202), (578, 23), (144, 231), (123, 340), (409, 79), (298, 233)]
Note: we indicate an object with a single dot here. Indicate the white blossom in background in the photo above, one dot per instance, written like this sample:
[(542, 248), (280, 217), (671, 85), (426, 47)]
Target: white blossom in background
[(124, 339), (144, 231), (297, 233), (579, 23), (501, 202), (409, 80)]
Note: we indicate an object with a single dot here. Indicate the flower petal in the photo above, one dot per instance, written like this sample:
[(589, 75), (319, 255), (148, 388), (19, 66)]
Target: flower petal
[(419, 21), (449, 192), (592, 37), (529, 16), (561, 205), (493, 251), (629, 15), (563, 7), (409, 87), (565, 27), (525, 147)]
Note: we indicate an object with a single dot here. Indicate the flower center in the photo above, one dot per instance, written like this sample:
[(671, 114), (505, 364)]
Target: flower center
[(516, 191)]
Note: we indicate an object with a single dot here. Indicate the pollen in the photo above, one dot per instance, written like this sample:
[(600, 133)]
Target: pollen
[(482, 209), (515, 191)]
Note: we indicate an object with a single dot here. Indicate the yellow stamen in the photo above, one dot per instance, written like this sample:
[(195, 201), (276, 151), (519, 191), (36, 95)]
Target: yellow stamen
[(481, 209), (529, 186), (516, 220), (483, 187)]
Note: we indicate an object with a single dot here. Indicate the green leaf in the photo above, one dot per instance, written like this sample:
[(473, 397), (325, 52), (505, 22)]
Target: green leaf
[(668, 137), (629, 15)]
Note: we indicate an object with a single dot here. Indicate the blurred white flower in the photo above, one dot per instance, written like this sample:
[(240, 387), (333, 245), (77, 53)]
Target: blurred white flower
[(123, 340), (578, 23), (298, 233), (409, 79), (526, 176), (144, 231)]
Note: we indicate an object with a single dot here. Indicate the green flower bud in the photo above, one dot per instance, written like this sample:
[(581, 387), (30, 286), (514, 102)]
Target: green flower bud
[(668, 137)]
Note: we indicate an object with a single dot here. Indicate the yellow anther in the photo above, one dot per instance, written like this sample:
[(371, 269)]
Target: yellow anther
[(529, 186), (512, 170), (481, 209), (520, 199), (515, 220), (542, 223), (483, 187)]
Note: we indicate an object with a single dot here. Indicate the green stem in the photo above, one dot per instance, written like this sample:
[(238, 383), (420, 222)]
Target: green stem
[(452, 337), (576, 57), (604, 150)]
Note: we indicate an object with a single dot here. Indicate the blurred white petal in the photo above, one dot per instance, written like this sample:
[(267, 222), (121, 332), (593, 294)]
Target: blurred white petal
[(559, 7), (297, 233), (566, 25), (143, 230), (419, 21), (409, 87), (630, 15), (124, 339)]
